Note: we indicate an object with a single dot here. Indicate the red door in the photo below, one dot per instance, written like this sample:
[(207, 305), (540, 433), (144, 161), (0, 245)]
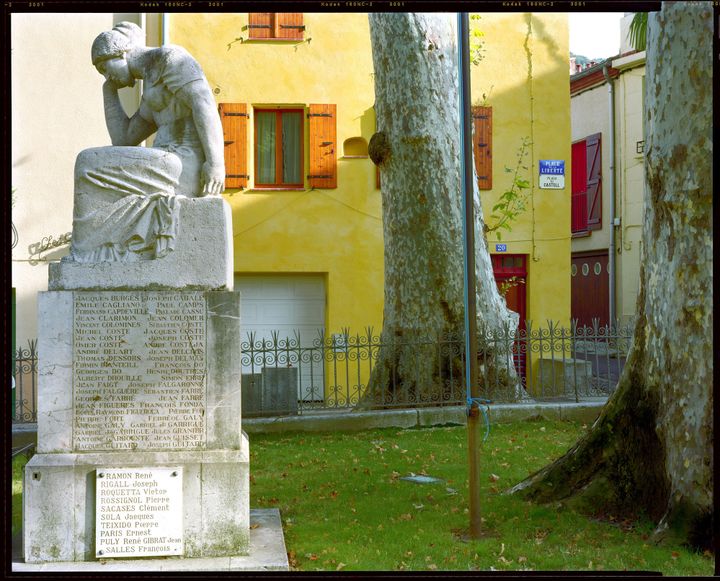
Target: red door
[(590, 288), (511, 277)]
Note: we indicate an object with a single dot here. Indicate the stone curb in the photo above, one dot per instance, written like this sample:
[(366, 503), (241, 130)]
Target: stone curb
[(410, 418), (422, 417)]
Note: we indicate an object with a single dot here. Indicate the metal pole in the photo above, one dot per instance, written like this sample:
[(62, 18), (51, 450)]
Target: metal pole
[(611, 192), (471, 366)]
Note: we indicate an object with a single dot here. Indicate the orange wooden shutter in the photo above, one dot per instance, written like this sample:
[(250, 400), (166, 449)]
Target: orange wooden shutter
[(260, 24), (289, 25), (323, 137), (482, 145), (234, 123)]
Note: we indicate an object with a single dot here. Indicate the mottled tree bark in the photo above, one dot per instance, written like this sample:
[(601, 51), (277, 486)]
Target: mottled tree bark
[(651, 448), (417, 147)]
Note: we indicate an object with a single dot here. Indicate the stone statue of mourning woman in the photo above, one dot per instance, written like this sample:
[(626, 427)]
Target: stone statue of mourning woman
[(126, 195)]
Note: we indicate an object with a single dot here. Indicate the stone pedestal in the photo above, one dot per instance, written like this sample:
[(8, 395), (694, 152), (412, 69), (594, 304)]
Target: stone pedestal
[(138, 384), (202, 259)]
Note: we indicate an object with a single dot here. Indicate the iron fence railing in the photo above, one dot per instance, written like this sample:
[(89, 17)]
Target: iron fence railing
[(24, 396), (288, 375), (285, 375)]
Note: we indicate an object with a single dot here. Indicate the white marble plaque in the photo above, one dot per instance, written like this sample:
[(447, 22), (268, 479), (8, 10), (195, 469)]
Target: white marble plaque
[(138, 512), (139, 370)]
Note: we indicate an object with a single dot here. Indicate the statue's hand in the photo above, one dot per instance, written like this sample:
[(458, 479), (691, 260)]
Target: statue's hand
[(212, 177)]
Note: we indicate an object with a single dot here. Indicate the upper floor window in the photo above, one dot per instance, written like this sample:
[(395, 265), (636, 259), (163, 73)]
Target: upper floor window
[(276, 25), (285, 142), (279, 148), (586, 178)]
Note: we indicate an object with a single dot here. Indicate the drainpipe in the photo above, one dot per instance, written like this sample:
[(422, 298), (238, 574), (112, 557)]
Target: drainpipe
[(163, 29), (611, 193)]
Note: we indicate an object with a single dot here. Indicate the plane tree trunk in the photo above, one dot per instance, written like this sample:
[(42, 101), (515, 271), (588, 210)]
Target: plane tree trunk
[(417, 147), (651, 449)]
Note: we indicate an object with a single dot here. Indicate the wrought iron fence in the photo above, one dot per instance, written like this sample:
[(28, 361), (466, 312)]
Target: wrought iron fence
[(283, 375), (24, 397)]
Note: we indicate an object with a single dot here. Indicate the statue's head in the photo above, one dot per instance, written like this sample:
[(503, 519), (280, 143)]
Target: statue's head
[(116, 42)]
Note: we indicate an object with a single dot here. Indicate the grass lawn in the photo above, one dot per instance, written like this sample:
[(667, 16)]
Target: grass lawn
[(17, 468), (344, 505)]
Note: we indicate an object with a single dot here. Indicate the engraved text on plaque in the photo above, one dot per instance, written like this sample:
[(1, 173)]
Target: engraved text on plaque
[(139, 371)]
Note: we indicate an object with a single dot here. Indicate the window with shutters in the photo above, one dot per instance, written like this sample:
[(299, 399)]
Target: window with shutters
[(282, 138), (276, 26), (279, 148), (586, 189)]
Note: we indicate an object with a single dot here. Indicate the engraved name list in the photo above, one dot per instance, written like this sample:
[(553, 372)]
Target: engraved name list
[(139, 372)]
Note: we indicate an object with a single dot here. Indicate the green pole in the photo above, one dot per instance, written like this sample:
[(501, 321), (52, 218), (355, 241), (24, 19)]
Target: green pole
[(471, 368)]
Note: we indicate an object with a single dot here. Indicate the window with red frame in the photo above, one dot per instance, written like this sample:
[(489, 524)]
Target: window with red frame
[(279, 148)]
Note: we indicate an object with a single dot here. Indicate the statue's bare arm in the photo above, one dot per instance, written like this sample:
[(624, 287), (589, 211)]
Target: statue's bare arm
[(196, 95), (125, 130)]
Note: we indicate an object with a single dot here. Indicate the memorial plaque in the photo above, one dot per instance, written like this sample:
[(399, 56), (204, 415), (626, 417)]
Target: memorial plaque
[(139, 371), (138, 512)]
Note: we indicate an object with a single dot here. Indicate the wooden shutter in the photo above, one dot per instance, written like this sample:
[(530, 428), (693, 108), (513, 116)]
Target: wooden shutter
[(323, 138), (260, 25), (234, 119), (289, 25), (482, 145), (594, 182), (578, 190)]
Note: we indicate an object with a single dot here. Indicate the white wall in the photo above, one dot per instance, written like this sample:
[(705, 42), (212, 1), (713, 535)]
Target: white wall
[(57, 110), (631, 183)]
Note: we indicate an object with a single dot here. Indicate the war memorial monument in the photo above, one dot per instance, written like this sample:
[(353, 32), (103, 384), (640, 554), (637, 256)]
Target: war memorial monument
[(141, 461)]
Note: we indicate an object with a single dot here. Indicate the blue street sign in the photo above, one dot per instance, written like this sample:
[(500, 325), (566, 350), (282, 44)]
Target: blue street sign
[(552, 167), (501, 248)]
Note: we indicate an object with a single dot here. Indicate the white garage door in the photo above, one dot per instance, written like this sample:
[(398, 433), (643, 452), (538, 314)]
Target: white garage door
[(286, 304)]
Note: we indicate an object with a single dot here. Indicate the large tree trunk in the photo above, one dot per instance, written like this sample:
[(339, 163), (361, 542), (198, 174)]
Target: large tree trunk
[(651, 448), (417, 147)]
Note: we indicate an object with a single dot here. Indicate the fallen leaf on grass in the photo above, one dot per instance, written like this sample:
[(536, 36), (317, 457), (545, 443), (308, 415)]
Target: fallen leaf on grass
[(522, 559), (494, 478), (340, 566), (406, 516), (292, 561), (312, 556), (432, 566), (675, 554)]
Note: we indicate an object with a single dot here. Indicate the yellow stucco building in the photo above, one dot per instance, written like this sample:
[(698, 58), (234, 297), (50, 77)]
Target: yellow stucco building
[(308, 250), (296, 96)]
